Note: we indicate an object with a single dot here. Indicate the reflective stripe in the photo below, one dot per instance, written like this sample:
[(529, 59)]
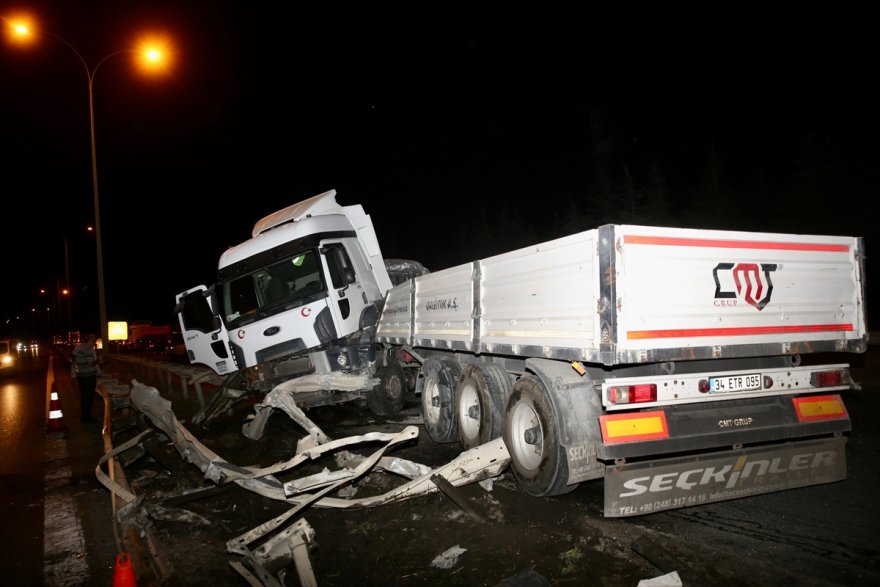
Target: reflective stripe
[(633, 427)]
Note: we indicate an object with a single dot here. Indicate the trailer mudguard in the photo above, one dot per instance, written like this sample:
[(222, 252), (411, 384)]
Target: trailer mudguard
[(577, 409)]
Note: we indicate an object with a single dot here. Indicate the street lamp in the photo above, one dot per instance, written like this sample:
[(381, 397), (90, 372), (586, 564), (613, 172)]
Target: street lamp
[(151, 53)]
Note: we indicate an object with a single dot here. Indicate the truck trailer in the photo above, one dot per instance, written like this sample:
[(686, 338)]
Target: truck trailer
[(682, 366)]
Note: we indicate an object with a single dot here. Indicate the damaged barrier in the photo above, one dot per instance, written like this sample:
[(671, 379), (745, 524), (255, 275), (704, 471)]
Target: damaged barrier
[(285, 539)]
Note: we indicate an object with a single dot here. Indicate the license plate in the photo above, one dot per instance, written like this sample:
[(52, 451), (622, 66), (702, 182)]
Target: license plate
[(735, 383)]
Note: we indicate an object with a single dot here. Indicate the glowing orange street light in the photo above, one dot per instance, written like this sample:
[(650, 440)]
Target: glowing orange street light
[(18, 28), (151, 53)]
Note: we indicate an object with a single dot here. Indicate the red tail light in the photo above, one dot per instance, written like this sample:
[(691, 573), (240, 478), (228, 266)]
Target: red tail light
[(827, 378), (633, 394)]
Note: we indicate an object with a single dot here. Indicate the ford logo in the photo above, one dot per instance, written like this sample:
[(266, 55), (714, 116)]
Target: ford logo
[(271, 331)]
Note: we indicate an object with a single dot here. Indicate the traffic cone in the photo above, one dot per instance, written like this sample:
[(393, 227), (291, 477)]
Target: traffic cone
[(56, 418), (123, 575)]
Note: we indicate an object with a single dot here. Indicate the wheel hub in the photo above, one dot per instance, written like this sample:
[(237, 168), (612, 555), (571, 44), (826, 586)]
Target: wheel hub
[(527, 436)]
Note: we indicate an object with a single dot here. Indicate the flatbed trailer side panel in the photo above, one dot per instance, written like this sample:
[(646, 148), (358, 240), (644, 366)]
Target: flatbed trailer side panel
[(443, 309), (625, 294), (541, 298), (724, 293), (538, 301)]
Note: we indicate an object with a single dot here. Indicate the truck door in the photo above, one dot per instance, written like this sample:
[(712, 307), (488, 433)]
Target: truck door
[(347, 298), (204, 334)]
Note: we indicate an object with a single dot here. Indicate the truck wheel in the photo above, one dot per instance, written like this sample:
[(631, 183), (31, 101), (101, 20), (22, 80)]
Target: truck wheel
[(480, 398), (436, 382), (531, 434), (388, 397)]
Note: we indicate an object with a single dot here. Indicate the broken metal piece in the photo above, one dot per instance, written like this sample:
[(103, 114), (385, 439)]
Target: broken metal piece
[(454, 494), (290, 545), (160, 512), (282, 397), (310, 482), (403, 467), (111, 484), (240, 543), (316, 452), (225, 398), (482, 462)]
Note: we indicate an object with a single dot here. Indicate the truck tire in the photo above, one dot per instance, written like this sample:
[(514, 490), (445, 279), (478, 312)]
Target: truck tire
[(388, 397), (436, 384), (531, 434), (480, 398)]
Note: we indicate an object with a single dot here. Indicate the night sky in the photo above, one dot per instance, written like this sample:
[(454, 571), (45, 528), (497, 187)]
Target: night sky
[(463, 133)]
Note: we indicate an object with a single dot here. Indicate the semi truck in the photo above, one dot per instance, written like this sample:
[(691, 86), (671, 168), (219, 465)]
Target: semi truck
[(682, 366)]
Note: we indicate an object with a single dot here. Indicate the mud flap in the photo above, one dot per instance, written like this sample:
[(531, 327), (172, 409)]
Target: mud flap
[(643, 488), (577, 407)]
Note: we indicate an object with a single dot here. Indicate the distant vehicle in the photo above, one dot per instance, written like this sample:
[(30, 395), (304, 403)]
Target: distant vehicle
[(7, 356)]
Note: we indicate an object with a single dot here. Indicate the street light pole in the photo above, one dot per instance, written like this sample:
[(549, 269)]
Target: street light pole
[(67, 287), (102, 301), (152, 54), (90, 76)]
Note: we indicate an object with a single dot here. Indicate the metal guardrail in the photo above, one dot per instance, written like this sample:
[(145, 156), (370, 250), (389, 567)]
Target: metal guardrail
[(121, 373), (163, 375)]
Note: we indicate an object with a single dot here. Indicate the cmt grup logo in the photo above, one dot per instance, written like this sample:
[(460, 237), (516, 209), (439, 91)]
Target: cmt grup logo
[(749, 282)]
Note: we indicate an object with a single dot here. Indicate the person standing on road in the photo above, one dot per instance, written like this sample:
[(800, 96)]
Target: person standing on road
[(85, 368)]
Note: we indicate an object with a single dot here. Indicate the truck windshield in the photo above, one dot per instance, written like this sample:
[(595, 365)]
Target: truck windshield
[(287, 281)]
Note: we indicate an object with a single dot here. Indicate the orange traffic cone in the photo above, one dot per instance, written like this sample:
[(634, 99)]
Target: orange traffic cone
[(56, 418), (123, 575)]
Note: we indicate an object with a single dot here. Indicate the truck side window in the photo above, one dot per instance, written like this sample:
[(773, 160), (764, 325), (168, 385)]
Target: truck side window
[(242, 297), (196, 313)]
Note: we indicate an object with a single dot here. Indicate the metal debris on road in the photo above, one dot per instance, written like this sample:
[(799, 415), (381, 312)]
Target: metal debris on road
[(282, 543)]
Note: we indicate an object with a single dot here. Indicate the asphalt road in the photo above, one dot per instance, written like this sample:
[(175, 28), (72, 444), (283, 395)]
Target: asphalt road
[(22, 409), (57, 520)]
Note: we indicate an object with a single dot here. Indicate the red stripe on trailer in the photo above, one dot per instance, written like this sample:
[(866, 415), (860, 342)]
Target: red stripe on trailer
[(742, 331), (635, 239)]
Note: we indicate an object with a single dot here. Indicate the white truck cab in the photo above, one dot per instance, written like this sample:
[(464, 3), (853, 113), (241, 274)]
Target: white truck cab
[(311, 276)]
